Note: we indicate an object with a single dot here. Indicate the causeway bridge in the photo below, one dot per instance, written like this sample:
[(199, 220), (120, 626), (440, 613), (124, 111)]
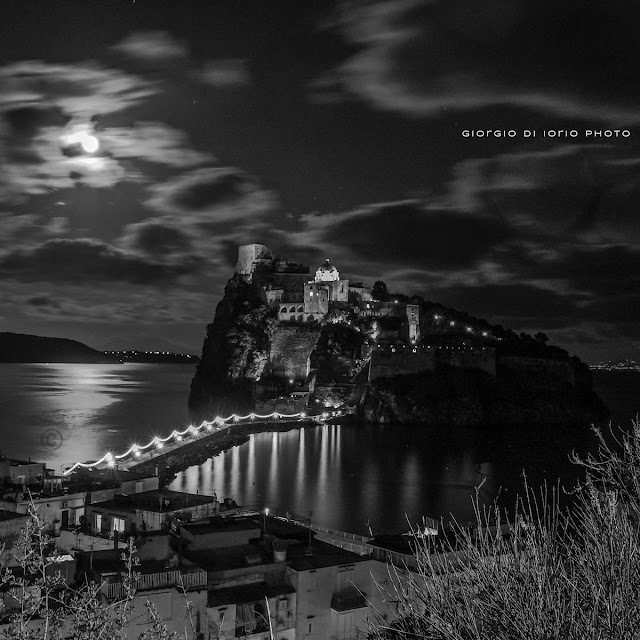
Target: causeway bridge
[(137, 453)]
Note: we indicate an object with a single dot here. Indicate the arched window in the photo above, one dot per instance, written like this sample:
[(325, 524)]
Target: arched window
[(310, 318), (300, 309), (292, 309), (300, 318), (283, 310)]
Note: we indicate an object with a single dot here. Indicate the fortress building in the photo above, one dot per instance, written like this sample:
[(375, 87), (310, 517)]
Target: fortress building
[(288, 287)]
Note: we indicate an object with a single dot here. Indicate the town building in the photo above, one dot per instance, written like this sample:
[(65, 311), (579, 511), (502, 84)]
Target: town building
[(22, 472), (128, 514)]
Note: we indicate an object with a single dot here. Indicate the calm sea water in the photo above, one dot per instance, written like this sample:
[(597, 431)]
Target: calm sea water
[(349, 477)]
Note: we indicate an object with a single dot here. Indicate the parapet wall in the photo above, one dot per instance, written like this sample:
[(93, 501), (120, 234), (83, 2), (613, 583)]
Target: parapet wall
[(387, 363), (541, 373), (291, 348), (394, 361)]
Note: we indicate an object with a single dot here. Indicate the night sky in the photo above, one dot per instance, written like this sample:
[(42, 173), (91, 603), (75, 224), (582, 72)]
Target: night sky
[(321, 129)]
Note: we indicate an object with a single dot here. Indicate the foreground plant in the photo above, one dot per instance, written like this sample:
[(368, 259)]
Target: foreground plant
[(549, 573), (49, 609)]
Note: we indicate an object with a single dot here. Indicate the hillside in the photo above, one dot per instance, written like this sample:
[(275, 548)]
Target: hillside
[(20, 347)]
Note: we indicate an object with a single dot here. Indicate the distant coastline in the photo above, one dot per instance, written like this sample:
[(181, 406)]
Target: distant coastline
[(26, 348)]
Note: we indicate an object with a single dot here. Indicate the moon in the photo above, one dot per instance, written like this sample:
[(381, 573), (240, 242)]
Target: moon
[(89, 143)]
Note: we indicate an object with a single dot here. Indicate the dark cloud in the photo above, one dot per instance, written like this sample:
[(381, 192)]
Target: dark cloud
[(232, 72), (571, 192), (42, 301), (157, 238), (212, 195), (419, 57), (406, 233), (152, 46), (85, 261)]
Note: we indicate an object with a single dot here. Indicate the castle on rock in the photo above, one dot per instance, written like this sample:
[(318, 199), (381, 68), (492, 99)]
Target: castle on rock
[(299, 298)]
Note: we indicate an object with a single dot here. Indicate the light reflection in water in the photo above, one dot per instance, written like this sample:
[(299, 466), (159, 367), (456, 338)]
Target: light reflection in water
[(385, 477)]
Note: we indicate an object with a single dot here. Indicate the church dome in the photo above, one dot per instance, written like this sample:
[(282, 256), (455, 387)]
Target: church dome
[(327, 272)]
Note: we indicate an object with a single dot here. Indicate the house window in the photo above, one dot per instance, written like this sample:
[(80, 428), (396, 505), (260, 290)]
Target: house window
[(282, 604), (98, 522), (118, 525)]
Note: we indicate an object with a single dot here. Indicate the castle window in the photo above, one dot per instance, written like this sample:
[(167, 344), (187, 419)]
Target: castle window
[(283, 310), (300, 309), (292, 309), (300, 319), (310, 318), (311, 294)]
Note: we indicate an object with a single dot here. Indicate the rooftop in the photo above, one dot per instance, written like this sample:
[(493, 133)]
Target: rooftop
[(156, 500), (219, 524), (15, 461)]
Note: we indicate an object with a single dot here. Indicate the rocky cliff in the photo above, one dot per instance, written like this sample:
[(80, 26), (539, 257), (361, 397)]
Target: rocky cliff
[(493, 377), (469, 398)]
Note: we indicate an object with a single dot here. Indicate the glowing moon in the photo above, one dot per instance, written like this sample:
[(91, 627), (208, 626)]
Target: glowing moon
[(89, 143)]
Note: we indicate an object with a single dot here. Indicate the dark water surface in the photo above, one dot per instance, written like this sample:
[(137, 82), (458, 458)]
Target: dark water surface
[(347, 476)]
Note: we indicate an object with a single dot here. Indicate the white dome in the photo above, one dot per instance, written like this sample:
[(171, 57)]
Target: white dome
[(327, 273)]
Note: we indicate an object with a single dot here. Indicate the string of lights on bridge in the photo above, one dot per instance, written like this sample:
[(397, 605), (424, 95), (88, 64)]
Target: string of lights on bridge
[(218, 423)]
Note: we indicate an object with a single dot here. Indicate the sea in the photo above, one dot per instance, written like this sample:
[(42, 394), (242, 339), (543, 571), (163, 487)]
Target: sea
[(380, 478)]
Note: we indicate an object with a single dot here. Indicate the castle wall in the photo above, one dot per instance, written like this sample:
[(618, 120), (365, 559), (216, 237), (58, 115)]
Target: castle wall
[(386, 363), (483, 358), (291, 348), (316, 298), (394, 361), (541, 373)]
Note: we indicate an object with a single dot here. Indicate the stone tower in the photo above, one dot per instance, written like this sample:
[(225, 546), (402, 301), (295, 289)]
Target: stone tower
[(413, 317)]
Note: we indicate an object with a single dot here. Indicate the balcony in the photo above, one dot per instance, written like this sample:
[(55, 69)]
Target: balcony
[(160, 580), (348, 600)]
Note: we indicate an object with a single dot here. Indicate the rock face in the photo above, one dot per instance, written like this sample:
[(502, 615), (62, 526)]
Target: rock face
[(234, 354), (470, 398)]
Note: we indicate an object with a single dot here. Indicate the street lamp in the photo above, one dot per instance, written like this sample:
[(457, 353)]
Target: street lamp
[(264, 519)]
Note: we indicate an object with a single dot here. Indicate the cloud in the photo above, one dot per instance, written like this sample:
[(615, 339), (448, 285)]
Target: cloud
[(80, 90), (410, 233), (156, 238), (151, 46), (88, 260), (212, 195), (419, 57), (232, 72), (152, 142)]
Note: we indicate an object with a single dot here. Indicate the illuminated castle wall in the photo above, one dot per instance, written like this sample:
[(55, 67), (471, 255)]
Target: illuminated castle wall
[(289, 288)]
